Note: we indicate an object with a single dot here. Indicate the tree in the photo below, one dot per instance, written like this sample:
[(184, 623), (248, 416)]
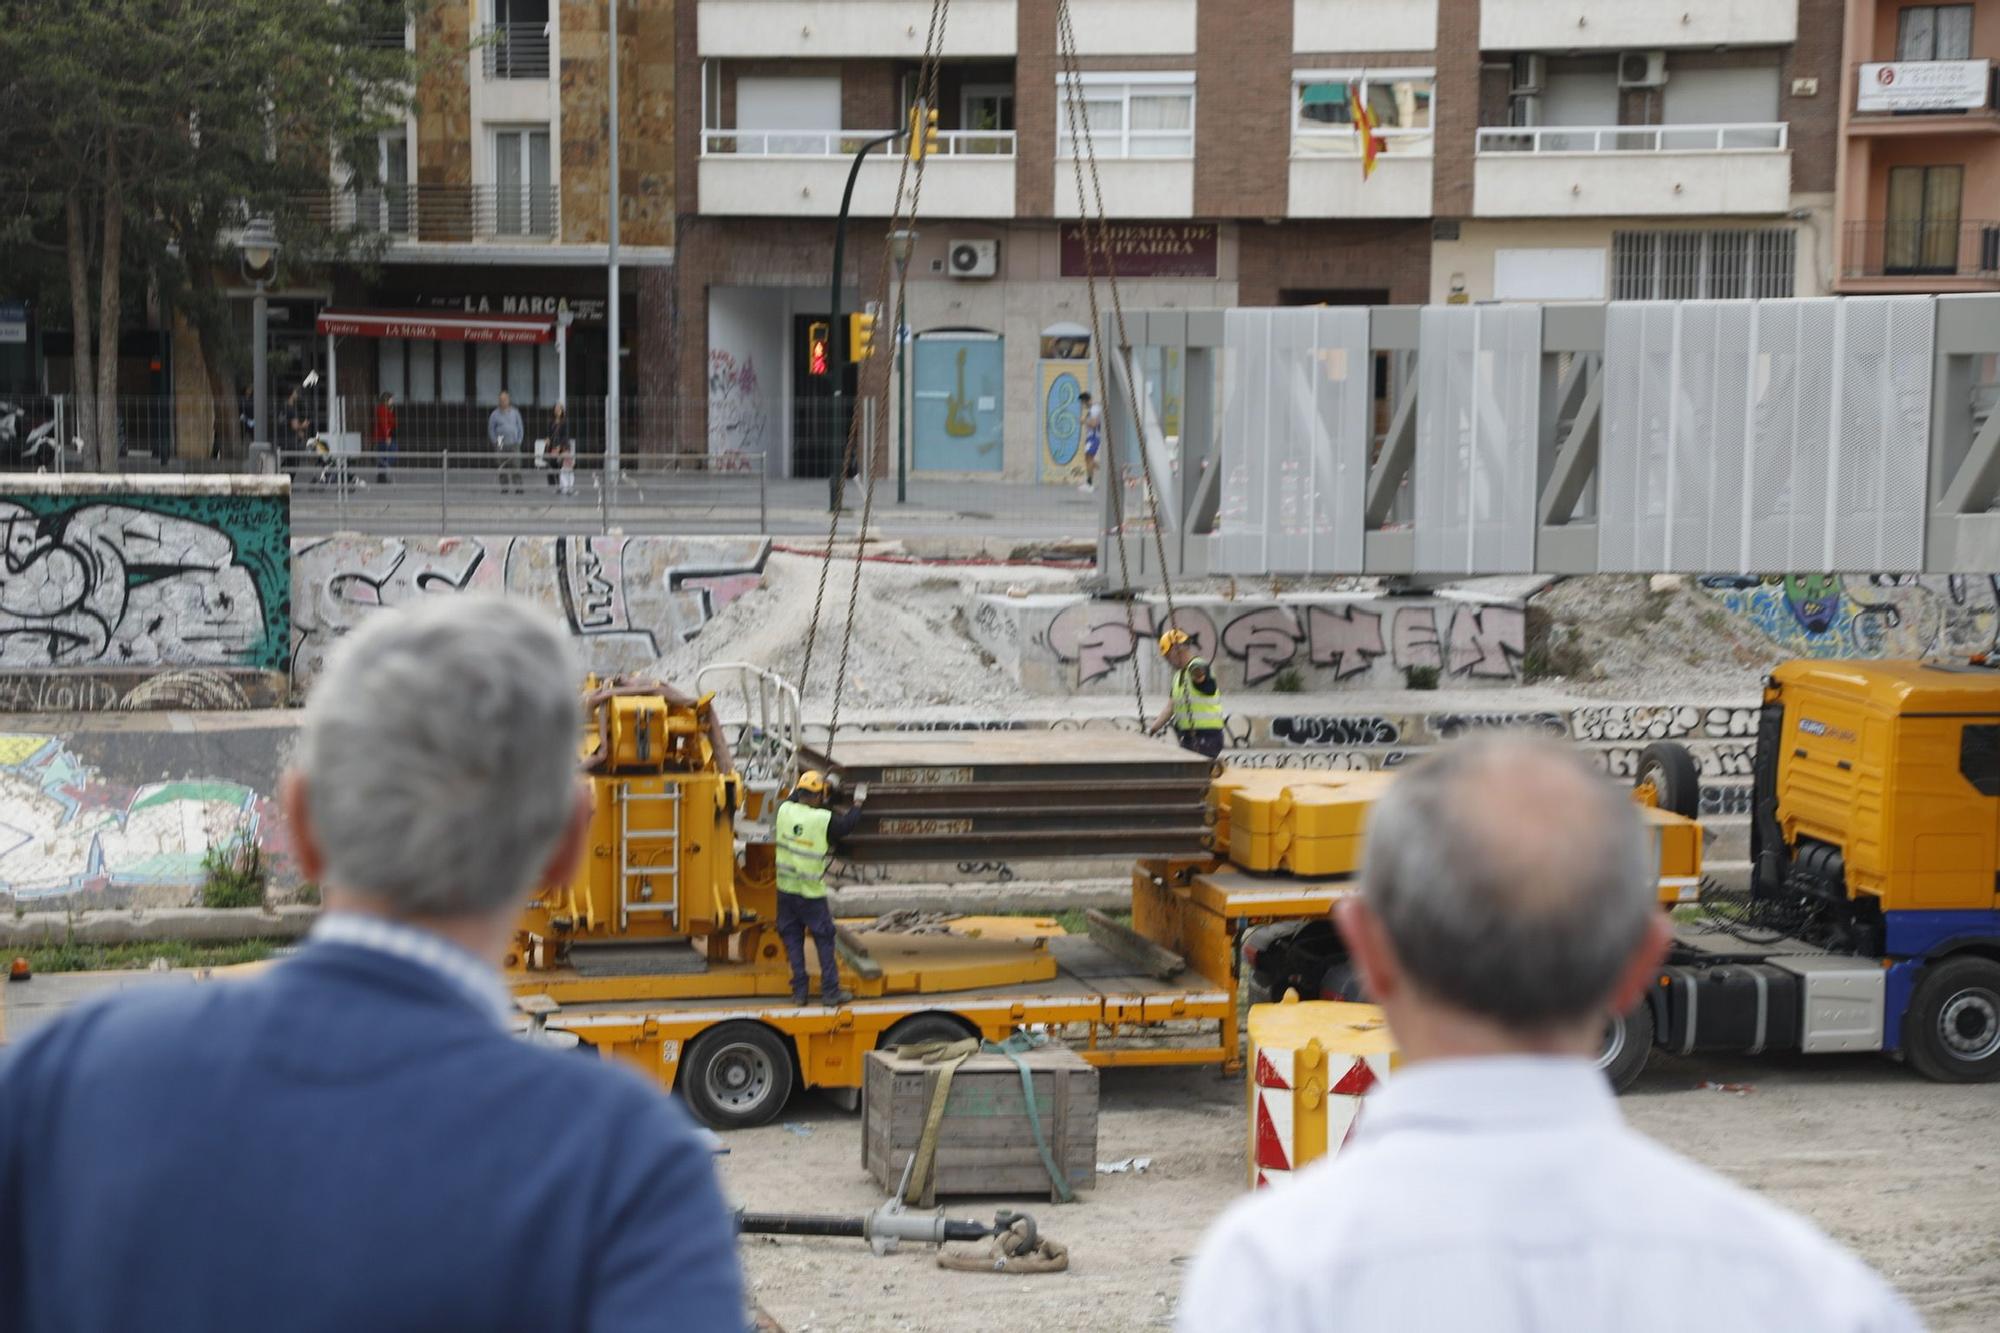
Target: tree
[(138, 135)]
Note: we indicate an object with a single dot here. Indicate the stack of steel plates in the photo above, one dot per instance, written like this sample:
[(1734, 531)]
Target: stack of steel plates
[(997, 795)]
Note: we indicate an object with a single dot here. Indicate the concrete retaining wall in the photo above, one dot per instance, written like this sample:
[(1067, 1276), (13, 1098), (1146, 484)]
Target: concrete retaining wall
[(625, 598), (118, 572), (1067, 644)]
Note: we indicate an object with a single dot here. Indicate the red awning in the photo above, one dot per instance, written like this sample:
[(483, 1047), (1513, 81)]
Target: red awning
[(438, 326)]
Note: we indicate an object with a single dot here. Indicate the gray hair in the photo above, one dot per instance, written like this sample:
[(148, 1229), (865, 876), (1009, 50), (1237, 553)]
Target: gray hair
[(1513, 880), (440, 753)]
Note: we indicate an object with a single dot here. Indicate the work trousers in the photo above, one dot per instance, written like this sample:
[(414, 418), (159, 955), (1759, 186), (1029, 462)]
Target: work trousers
[(1207, 741), (799, 916)]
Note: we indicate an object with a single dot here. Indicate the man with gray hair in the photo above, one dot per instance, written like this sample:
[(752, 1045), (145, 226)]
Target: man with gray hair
[(1507, 906), (354, 1139)]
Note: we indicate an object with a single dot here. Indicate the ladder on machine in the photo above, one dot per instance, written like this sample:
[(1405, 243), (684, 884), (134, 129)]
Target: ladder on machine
[(638, 884)]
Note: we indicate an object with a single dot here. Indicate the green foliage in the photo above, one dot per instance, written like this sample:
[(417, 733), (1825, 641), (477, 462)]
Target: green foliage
[(1289, 681), (1420, 677), (1554, 650), (233, 873), (71, 956), (307, 894)]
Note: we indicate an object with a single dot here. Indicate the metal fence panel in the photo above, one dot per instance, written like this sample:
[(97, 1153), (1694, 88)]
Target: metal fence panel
[(1295, 432), (1876, 497), (1478, 414)]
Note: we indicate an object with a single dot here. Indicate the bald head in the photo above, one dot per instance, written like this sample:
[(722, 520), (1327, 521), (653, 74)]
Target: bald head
[(1512, 881)]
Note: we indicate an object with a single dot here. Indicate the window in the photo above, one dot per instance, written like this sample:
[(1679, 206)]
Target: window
[(523, 199), (1137, 116), (518, 45), (1921, 232), (1399, 100), (986, 114), (1934, 32), (1703, 265)]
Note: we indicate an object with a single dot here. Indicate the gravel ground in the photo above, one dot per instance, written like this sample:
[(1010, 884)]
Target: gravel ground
[(1631, 637), (1901, 1170)]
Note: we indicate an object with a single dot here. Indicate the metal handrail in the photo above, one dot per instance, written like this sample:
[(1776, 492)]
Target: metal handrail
[(429, 212), (1764, 136), (845, 143), (515, 50)]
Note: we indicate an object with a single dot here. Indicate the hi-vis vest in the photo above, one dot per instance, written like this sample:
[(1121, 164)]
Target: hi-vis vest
[(1193, 710), (802, 849)]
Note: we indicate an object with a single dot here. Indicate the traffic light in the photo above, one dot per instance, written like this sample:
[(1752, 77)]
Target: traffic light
[(817, 344), (860, 336), (923, 131)]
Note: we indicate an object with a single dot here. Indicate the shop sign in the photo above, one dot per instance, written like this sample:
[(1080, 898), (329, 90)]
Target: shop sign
[(1142, 249), (1924, 85)]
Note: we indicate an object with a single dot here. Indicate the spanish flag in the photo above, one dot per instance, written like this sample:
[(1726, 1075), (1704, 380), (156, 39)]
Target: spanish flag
[(1364, 125)]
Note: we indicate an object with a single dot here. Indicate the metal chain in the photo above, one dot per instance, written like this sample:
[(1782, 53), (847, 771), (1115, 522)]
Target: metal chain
[(1066, 49), (1067, 35), (927, 86), (932, 45)]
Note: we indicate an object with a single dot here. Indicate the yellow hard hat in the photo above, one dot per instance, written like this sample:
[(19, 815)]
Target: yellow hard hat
[(811, 780), (1171, 640)]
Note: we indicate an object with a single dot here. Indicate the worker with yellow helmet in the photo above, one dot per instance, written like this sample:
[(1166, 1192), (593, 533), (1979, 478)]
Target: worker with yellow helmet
[(1194, 705), (807, 832)]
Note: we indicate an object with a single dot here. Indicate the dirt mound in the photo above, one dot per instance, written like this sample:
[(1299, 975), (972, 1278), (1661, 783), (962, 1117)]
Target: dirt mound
[(1619, 636)]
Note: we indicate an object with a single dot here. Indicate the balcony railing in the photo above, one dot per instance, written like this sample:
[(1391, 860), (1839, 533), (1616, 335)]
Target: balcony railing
[(515, 50), (442, 213), (1922, 250), (845, 143), (1746, 137)]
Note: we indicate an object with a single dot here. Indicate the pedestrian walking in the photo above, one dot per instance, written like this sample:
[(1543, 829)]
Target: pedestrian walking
[(1508, 903), (807, 834), (385, 435), (354, 1138), (504, 429), (562, 450), (1194, 704)]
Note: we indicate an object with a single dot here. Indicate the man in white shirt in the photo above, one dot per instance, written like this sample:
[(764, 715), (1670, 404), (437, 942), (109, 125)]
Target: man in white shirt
[(1490, 1182)]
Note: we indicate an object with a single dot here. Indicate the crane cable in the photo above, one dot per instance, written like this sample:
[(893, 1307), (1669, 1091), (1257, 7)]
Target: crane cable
[(1097, 246), (927, 87)]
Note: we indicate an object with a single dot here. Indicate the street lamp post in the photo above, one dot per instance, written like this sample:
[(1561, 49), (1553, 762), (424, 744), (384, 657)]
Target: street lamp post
[(611, 418), (257, 251), (902, 243)]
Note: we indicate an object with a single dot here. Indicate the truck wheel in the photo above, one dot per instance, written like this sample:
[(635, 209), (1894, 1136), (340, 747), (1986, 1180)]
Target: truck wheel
[(1951, 1032), (1674, 777), (919, 1028), (737, 1075), (1628, 1040)]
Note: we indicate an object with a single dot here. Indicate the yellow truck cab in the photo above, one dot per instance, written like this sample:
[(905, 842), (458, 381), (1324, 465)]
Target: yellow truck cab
[(1873, 921)]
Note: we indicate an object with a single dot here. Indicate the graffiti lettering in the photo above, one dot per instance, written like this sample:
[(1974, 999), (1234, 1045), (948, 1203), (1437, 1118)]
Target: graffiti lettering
[(1264, 640), (1667, 722), (1332, 760), (1348, 640), (1335, 731), (1448, 725)]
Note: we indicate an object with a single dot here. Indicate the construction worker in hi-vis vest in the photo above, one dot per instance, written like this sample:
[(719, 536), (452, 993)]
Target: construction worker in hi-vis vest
[(807, 832), (1194, 706)]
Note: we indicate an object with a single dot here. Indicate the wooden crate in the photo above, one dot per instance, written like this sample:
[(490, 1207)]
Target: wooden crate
[(985, 1142)]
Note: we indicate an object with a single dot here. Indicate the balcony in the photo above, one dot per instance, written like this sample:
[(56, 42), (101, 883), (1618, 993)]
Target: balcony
[(440, 214), (515, 51), (1326, 176), (801, 173), (1632, 171), (1625, 25), (1893, 98), (896, 29), (1920, 257)]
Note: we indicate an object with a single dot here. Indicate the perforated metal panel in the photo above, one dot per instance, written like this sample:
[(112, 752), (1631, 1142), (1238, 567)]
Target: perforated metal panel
[(1295, 427), (1478, 407), (1765, 435)]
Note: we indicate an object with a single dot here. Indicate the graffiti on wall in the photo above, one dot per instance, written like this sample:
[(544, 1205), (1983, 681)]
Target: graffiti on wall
[(1461, 640), (66, 828), (736, 414), (1879, 615), (201, 689), (144, 579), (627, 598)]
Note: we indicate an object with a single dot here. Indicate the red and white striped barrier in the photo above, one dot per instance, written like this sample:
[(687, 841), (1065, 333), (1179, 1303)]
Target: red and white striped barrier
[(1310, 1065)]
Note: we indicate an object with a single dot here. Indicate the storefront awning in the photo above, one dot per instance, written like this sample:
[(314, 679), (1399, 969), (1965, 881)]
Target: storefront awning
[(437, 326)]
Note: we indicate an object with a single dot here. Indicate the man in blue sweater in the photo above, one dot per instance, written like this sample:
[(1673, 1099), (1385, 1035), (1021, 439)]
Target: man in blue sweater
[(353, 1140)]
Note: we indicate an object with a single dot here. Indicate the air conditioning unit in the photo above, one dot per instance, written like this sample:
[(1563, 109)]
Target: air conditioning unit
[(1524, 110), (1530, 75), (1642, 69), (973, 259)]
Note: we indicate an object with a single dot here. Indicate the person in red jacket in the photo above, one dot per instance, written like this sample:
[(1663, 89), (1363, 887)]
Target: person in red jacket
[(385, 435)]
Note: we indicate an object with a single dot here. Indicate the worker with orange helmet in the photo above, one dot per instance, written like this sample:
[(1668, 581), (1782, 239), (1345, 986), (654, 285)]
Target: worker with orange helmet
[(807, 833), (1194, 705)]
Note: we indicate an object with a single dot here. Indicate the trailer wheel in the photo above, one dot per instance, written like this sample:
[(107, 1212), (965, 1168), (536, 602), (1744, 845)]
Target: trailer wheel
[(918, 1028), (1951, 1032), (1671, 772), (1628, 1040), (737, 1075)]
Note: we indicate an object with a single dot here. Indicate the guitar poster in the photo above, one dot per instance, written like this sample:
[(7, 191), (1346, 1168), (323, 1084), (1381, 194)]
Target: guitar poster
[(1059, 428), (957, 403)]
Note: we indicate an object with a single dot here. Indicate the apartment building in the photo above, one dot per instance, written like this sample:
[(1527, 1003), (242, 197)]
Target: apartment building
[(491, 206), (1528, 150), (1919, 161)]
